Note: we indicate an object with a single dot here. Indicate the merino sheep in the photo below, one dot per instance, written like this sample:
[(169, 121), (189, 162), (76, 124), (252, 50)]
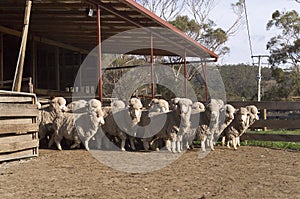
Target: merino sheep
[(239, 125), (61, 102), (77, 106), (208, 126), (170, 126), (159, 105), (122, 123), (77, 127), (198, 107), (252, 117), (228, 113), (46, 118)]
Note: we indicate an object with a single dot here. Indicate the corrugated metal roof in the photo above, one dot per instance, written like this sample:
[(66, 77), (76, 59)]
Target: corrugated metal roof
[(66, 21)]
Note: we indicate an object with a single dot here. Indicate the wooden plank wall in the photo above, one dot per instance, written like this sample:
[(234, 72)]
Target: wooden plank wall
[(19, 126), (280, 123)]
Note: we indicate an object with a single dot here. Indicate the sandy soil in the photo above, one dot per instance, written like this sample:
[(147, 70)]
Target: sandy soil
[(250, 172)]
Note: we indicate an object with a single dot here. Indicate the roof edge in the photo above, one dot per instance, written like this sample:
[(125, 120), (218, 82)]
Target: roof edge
[(133, 3)]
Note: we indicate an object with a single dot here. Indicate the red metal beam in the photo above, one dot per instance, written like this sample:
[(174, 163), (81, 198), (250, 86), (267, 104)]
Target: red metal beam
[(205, 79), (99, 53), (152, 66), (185, 75)]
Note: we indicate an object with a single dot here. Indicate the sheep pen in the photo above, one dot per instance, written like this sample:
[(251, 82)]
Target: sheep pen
[(252, 172)]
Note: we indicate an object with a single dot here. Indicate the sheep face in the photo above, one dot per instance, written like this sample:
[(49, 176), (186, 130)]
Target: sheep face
[(98, 116), (135, 110), (135, 115), (229, 112), (60, 103), (242, 116), (254, 111), (198, 106)]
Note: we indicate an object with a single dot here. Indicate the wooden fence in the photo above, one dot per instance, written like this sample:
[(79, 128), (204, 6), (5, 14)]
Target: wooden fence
[(274, 115), (18, 125)]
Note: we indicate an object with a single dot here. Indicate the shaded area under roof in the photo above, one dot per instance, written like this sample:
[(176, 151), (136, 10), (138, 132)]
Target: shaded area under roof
[(66, 21)]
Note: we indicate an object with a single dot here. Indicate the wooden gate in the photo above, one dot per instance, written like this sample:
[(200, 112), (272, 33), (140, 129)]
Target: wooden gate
[(18, 125)]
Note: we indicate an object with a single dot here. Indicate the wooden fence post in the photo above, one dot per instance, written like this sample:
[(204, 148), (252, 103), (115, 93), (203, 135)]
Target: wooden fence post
[(264, 117)]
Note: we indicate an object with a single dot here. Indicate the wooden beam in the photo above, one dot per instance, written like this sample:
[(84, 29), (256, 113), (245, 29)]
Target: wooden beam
[(18, 129), (44, 40), (20, 63), (277, 124), (19, 154), (15, 99), (57, 69), (271, 105), (17, 146), (271, 137), (1, 59), (34, 63), (18, 110)]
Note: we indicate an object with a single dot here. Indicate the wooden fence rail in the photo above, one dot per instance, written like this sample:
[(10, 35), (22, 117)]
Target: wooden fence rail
[(286, 122)]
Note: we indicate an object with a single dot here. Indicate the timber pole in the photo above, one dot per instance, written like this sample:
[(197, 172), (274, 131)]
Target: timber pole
[(99, 53), (1, 58), (20, 63)]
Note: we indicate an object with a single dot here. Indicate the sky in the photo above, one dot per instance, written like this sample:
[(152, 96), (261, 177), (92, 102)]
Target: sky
[(259, 13)]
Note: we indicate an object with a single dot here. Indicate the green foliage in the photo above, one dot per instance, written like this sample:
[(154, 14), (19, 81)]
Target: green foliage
[(285, 49), (277, 145), (207, 34), (240, 81)]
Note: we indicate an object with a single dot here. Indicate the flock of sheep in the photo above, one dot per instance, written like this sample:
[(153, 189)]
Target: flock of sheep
[(175, 124)]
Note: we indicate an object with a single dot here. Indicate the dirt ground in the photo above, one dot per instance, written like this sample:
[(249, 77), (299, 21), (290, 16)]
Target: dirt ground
[(250, 172)]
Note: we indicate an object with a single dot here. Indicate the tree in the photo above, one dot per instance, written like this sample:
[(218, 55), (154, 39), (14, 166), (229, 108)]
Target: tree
[(166, 9), (201, 27), (284, 48)]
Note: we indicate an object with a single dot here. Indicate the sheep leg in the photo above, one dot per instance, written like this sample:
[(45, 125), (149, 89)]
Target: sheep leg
[(77, 142), (173, 146), (203, 140), (210, 141), (234, 142), (173, 142), (146, 144), (131, 141), (179, 143), (57, 140), (212, 144), (238, 141), (223, 141), (51, 141), (123, 144), (168, 145), (228, 143)]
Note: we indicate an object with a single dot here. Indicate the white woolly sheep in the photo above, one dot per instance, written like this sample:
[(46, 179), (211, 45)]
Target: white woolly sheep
[(77, 127), (239, 125), (77, 106), (46, 118), (159, 105), (122, 123), (170, 126)]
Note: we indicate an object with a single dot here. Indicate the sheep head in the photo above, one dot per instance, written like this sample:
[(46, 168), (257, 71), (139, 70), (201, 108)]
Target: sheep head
[(135, 109), (229, 112), (254, 111), (58, 104), (198, 106)]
